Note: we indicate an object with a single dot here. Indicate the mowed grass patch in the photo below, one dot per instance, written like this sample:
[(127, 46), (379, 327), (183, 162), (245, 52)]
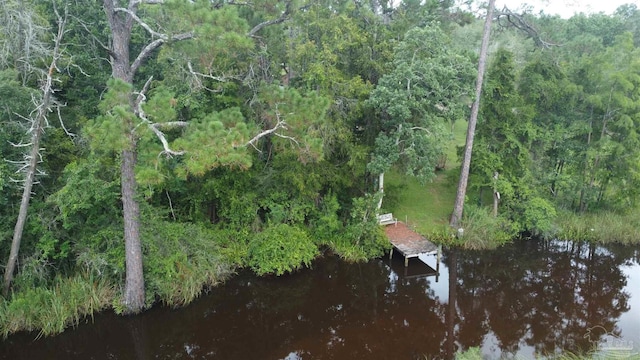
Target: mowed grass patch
[(426, 207)]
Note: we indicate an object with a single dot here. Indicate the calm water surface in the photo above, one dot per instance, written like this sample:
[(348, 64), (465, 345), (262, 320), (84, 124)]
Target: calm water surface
[(526, 299)]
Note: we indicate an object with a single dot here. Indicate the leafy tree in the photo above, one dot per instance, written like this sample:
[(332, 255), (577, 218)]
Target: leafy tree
[(502, 158), (610, 82), (209, 43), (417, 102), (545, 85), (505, 132)]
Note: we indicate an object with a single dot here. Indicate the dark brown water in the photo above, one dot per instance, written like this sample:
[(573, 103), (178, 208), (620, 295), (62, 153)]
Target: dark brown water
[(526, 299)]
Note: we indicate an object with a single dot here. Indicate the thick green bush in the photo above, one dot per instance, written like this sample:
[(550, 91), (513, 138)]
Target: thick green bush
[(181, 261), (281, 248)]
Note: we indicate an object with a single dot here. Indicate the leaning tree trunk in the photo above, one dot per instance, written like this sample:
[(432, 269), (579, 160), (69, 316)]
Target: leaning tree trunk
[(37, 129), (24, 204), (466, 159)]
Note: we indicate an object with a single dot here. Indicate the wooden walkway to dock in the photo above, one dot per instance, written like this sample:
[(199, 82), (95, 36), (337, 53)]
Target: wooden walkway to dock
[(409, 243)]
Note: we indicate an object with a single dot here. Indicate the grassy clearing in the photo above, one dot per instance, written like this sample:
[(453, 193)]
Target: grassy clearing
[(427, 207)]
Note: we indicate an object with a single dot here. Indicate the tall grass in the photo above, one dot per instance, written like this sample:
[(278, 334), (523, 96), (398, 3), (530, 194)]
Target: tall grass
[(480, 230), (50, 310), (605, 227)]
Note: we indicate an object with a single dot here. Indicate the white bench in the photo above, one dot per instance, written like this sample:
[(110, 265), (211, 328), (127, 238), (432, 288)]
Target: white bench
[(386, 219)]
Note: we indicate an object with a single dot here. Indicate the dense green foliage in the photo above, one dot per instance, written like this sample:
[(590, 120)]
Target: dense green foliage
[(279, 249), (262, 129)]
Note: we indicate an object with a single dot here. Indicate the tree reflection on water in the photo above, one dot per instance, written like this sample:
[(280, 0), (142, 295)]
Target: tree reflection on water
[(527, 298), (552, 296)]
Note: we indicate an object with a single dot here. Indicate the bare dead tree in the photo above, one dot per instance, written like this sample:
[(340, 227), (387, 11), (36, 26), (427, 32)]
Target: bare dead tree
[(22, 46), (39, 122)]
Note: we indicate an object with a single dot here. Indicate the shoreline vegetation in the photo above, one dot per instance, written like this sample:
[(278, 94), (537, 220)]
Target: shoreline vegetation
[(69, 301)]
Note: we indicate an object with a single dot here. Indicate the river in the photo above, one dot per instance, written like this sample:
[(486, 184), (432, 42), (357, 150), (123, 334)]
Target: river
[(527, 299)]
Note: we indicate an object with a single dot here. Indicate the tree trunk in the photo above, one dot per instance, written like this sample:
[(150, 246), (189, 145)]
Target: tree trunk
[(134, 283), (466, 159), (37, 130), (121, 25), (381, 190), (496, 194), (24, 206)]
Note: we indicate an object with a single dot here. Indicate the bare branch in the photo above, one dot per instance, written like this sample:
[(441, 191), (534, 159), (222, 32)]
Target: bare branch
[(284, 16), (421, 128), (135, 17), (276, 127), (70, 134), (155, 127), (208, 76), (519, 22), (292, 139), (19, 145), (165, 144), (141, 96), (280, 124), (220, 3), (134, 3), (147, 50)]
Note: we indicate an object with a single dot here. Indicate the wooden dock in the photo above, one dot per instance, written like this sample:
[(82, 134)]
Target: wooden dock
[(409, 243)]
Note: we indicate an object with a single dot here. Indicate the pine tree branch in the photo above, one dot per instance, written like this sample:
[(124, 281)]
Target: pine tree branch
[(284, 16), (137, 19), (280, 124), (155, 127)]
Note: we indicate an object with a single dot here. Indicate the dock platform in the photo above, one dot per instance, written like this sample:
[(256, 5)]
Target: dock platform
[(409, 243)]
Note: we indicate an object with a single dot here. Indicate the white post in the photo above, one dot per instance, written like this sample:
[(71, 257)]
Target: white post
[(380, 189)]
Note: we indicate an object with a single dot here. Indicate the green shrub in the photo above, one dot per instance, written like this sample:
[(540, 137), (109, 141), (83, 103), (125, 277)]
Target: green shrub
[(281, 248), (327, 225), (538, 216), (473, 353), (362, 238), (181, 260)]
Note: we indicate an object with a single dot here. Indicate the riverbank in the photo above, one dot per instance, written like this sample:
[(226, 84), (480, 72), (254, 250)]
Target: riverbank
[(427, 209)]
